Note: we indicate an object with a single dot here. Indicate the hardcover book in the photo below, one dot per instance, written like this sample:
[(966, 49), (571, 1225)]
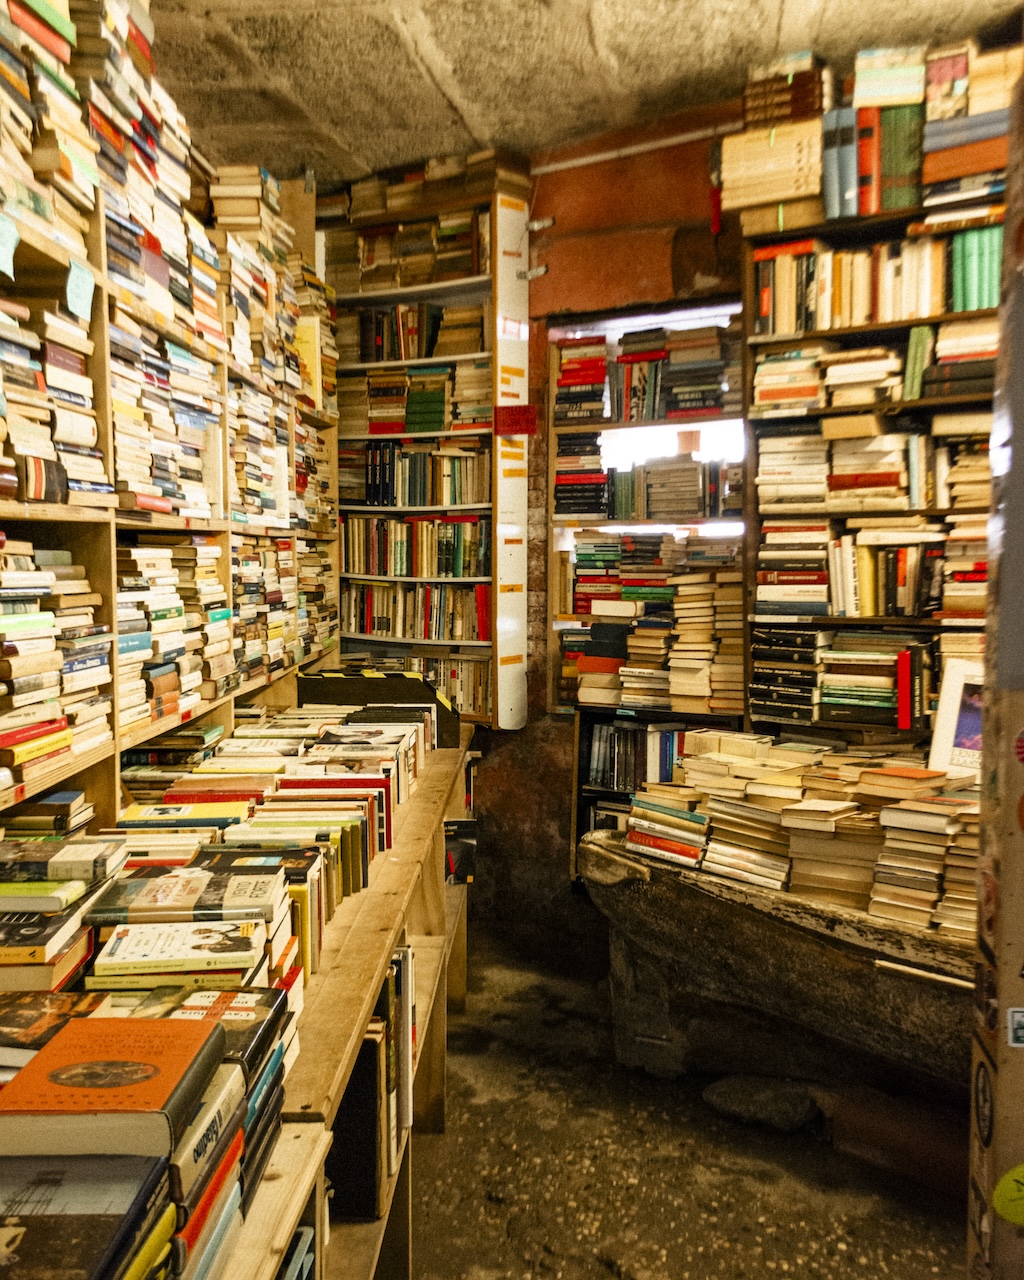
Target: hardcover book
[(110, 1085)]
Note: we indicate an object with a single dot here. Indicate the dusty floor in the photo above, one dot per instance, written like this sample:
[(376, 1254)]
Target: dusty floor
[(557, 1163)]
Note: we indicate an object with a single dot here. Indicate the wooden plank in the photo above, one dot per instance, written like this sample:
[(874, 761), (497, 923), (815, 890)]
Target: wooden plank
[(284, 1191), (341, 998), (457, 905), (354, 1247), (429, 954)]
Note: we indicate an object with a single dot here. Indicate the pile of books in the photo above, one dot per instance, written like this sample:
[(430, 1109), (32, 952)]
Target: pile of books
[(317, 602), (965, 354), (461, 331), (788, 665), (957, 912), (877, 678), (313, 509), (965, 569), (695, 643), (917, 823), (789, 382), (257, 457), (265, 592), (664, 826), (315, 348), (581, 483), (798, 550), (582, 379), (149, 677), (472, 395)]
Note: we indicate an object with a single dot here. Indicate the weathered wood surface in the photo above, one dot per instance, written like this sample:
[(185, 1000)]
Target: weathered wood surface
[(793, 960)]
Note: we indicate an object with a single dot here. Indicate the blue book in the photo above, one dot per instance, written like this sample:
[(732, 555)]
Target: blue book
[(848, 180), (136, 642)]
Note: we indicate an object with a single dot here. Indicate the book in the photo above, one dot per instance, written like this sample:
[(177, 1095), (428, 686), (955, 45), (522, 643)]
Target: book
[(107, 1084), (180, 947), (161, 894), (79, 1215)]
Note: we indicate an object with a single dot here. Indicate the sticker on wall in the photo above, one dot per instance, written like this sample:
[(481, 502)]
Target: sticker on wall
[(1015, 1028), (983, 1109), (1018, 746), (1008, 1196)]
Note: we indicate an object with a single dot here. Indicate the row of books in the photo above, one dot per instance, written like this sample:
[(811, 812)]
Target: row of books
[(957, 362), (650, 375), (399, 332), (880, 468), (313, 506), (671, 489), (390, 474), (447, 246), (910, 126), (191, 930), (449, 547), (455, 179), (806, 286), (857, 828), (427, 611), (56, 662), (437, 398)]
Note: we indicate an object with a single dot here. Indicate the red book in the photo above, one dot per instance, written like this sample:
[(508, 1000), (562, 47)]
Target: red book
[(39, 31), (904, 691), (638, 357), (483, 610), (589, 664), (867, 480), (198, 1217), (666, 846), (210, 797), (957, 162), (869, 160), (29, 732), (580, 477), (794, 249), (149, 502), (584, 378)]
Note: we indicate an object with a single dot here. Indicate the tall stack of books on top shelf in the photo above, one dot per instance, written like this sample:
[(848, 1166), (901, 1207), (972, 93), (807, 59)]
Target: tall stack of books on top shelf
[(874, 365)]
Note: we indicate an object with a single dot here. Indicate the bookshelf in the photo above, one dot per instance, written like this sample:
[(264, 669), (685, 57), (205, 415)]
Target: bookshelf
[(494, 614), (911, 418)]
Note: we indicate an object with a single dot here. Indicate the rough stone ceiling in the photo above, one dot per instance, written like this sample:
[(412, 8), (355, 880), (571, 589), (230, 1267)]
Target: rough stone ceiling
[(352, 86)]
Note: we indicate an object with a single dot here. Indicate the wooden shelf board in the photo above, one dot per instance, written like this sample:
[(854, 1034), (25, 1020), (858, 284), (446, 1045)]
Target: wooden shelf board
[(838, 726), (136, 734), (35, 511), (159, 520), (151, 319), (681, 424), (354, 1247), (937, 513), (313, 419), (383, 511), (390, 577), (826, 335), (480, 429), (38, 252), (280, 1201), (70, 765), (427, 209), (824, 621), (436, 644), (581, 522), (872, 223), (257, 530), (416, 363), (466, 286), (359, 943), (886, 409), (430, 954)]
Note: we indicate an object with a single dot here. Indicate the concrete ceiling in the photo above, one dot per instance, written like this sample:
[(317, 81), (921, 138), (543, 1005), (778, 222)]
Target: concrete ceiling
[(352, 86)]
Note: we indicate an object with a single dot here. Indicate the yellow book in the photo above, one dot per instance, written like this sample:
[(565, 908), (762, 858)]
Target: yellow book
[(183, 815), (25, 751), (157, 1244), (867, 581)]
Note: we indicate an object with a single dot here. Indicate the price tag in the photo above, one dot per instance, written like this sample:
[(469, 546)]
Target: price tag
[(81, 284), (9, 240)]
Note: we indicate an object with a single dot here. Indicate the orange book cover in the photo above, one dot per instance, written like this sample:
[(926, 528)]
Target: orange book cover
[(110, 1086), (911, 775)]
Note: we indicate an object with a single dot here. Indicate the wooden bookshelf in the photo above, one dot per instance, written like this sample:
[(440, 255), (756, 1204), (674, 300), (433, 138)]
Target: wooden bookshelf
[(507, 294), (862, 330), (406, 901)]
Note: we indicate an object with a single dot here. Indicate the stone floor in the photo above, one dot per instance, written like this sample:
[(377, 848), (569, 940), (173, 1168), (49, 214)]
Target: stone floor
[(557, 1163)]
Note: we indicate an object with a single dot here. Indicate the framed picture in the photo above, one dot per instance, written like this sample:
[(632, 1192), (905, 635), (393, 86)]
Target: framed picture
[(956, 742)]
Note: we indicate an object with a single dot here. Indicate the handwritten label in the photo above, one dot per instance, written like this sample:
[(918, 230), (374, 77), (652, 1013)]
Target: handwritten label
[(9, 241), (81, 284)]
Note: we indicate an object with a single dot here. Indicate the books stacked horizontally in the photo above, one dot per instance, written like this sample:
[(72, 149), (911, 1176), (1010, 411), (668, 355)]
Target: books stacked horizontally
[(677, 488), (966, 152), (645, 573), (462, 331), (663, 825), (602, 656), (147, 585), (695, 643), (871, 472), (317, 598), (796, 87), (49, 879), (957, 912), (596, 558), (798, 550), (254, 453), (792, 472), (84, 645), (908, 874), (428, 406), (581, 484), (789, 382), (727, 663), (878, 678), (862, 376), (582, 377), (788, 665), (834, 848), (313, 509), (147, 772), (965, 569), (472, 395), (965, 359), (969, 479), (766, 165)]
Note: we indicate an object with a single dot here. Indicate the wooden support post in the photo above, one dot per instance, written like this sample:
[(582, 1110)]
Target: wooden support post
[(395, 1261)]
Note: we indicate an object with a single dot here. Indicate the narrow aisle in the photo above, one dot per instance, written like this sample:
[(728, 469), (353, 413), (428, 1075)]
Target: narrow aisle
[(557, 1164)]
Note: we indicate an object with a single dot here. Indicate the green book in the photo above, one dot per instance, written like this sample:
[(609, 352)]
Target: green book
[(958, 272), (55, 19), (972, 270)]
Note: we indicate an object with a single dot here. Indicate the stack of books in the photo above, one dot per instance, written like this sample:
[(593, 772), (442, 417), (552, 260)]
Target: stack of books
[(663, 825), (908, 874), (870, 472), (204, 268), (461, 332), (693, 374), (49, 879), (254, 455), (695, 643), (677, 488), (235, 279), (727, 663), (388, 392), (965, 569), (798, 550), (428, 404), (796, 87), (792, 472), (147, 583), (581, 483), (317, 598), (965, 135), (862, 376), (957, 912), (788, 665), (768, 165), (472, 395), (313, 509), (314, 339), (965, 354), (582, 379), (833, 859), (878, 678), (84, 645), (789, 382), (602, 656)]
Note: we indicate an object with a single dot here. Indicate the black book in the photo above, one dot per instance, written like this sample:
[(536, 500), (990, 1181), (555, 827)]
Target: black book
[(260, 1147), (77, 1215), (252, 1018), (357, 1163)]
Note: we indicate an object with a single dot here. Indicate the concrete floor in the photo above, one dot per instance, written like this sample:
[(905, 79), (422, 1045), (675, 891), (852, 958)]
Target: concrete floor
[(558, 1163)]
